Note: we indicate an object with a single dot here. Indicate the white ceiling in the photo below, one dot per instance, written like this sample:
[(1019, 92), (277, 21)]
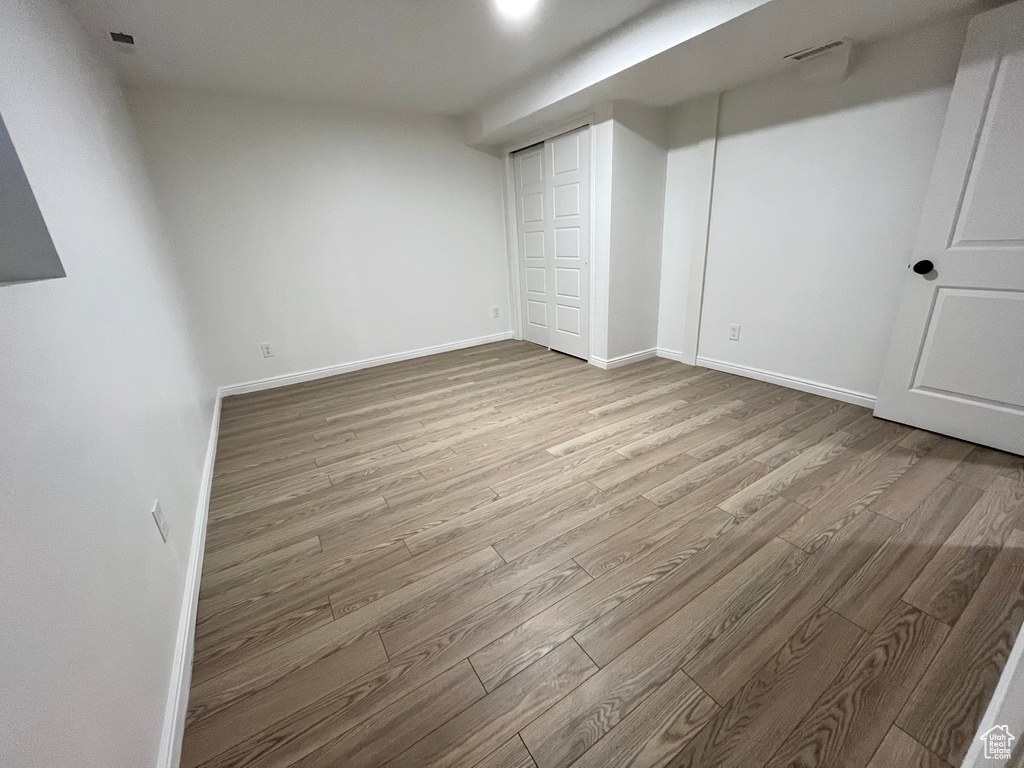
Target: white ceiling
[(441, 56)]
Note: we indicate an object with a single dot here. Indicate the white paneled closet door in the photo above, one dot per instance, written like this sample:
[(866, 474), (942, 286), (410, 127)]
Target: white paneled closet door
[(530, 212), (552, 182)]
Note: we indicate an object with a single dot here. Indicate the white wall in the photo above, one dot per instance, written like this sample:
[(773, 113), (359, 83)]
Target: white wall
[(636, 223), (688, 181), (334, 235), (103, 410), (817, 195)]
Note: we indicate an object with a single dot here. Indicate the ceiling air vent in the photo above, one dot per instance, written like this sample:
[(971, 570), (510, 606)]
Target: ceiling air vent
[(810, 53), (826, 64), (122, 42)]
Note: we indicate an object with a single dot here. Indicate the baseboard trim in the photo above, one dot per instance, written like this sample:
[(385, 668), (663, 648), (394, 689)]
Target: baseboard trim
[(793, 382), (618, 362), (671, 354), (357, 365), (181, 669)]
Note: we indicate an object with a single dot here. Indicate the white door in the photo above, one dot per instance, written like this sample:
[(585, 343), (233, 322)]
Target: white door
[(533, 265), (956, 358), (552, 182)]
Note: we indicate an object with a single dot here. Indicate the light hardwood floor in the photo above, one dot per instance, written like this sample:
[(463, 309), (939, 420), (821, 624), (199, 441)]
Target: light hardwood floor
[(505, 557)]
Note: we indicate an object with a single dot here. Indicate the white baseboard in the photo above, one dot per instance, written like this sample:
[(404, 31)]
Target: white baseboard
[(181, 669), (618, 362), (671, 354), (357, 365), (814, 387)]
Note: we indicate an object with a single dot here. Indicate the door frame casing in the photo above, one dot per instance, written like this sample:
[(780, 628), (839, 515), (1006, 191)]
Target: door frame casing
[(514, 260)]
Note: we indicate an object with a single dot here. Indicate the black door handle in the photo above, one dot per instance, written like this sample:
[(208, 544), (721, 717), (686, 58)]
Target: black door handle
[(923, 267)]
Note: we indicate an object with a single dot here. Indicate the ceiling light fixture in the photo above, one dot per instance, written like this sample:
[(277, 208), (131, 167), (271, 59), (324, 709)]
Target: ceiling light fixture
[(516, 9)]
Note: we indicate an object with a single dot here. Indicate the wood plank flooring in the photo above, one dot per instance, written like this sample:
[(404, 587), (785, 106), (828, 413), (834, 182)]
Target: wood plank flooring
[(504, 557)]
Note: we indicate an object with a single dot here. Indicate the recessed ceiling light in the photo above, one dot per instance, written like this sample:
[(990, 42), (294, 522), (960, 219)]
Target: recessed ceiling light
[(516, 9)]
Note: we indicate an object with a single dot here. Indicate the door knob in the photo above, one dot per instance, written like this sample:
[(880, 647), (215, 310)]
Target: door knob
[(923, 267)]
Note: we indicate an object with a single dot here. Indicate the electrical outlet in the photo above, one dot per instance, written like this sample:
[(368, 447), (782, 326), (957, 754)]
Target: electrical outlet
[(161, 521), (734, 333), (266, 349), (495, 312)]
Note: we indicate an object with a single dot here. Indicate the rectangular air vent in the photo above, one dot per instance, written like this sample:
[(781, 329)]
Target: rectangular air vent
[(123, 38), (810, 53)]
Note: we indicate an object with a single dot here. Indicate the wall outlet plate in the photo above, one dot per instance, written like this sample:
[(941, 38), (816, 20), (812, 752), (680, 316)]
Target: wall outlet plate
[(495, 312), (734, 333), (161, 521), (266, 349)]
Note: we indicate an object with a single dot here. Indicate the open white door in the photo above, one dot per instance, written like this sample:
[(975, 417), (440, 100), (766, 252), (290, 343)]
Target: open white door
[(956, 358), (553, 216)]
